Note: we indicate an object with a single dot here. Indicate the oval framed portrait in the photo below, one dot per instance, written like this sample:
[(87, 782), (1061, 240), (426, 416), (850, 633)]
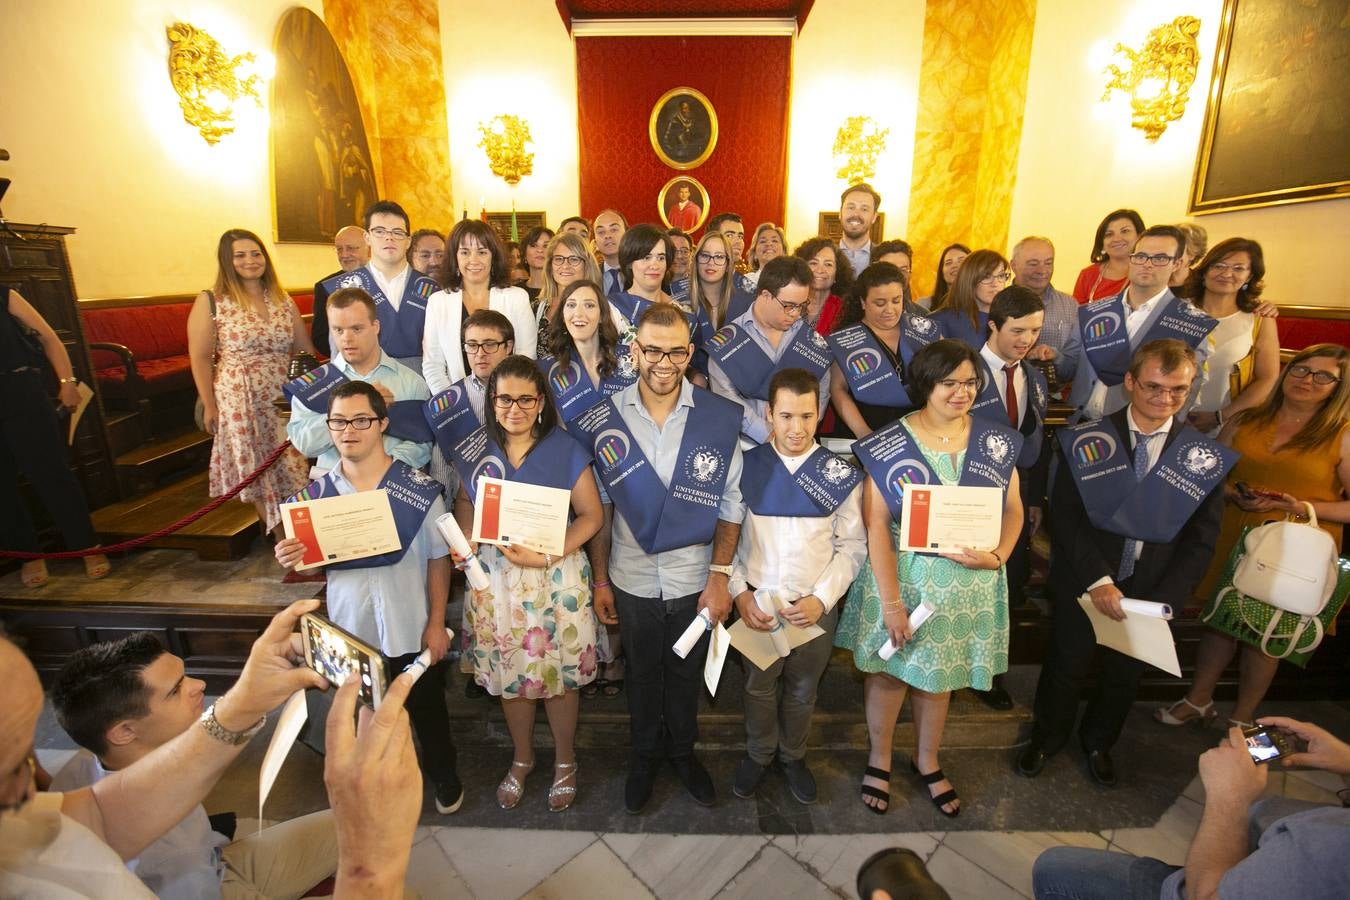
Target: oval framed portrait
[(683, 128), (683, 203)]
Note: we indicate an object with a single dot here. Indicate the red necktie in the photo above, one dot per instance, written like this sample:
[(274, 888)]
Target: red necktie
[(1011, 394)]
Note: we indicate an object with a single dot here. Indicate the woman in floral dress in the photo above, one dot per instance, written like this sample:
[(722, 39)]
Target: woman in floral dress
[(240, 338), (534, 628)]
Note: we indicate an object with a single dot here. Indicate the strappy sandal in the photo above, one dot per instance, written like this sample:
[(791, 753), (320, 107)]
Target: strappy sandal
[(1167, 715), (513, 787), (941, 799), (35, 574), (877, 793), (565, 793)]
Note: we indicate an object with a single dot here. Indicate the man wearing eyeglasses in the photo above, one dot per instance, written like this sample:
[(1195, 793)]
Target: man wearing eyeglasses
[(395, 601), (355, 329), (679, 267), (400, 292), (456, 413), (771, 335), (1114, 327), (667, 454), (352, 254), (1137, 508)]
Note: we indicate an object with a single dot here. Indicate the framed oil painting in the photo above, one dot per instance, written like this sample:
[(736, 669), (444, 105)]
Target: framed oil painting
[(1276, 129), (683, 203), (683, 128), (322, 177)]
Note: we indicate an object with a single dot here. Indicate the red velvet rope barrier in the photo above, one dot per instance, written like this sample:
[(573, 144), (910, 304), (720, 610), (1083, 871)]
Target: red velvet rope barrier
[(168, 529)]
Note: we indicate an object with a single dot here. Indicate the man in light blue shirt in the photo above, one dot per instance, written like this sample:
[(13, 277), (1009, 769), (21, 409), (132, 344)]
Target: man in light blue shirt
[(355, 332), (1033, 265), (858, 207), (772, 322)]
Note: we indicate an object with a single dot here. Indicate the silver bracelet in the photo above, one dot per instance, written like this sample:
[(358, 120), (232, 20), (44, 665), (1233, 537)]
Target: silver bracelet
[(225, 735)]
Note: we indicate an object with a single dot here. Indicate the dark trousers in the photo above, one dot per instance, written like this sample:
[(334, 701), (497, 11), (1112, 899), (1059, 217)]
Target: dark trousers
[(430, 719), (1019, 561), (32, 443), (1073, 647), (662, 689)]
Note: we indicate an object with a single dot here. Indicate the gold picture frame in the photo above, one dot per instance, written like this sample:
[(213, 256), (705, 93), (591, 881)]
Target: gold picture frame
[(683, 128), (668, 200), (1259, 99)]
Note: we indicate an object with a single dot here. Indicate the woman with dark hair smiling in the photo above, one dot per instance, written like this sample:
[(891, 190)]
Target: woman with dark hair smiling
[(534, 628), (964, 314), (568, 259), (645, 252), (477, 276), (964, 643), (534, 258), (949, 263), (831, 277), (1109, 270)]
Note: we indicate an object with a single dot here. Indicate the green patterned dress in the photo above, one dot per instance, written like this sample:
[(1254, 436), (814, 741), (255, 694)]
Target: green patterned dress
[(963, 644)]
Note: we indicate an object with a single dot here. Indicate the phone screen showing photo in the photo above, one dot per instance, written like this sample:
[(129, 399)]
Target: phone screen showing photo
[(1262, 746), (330, 653)]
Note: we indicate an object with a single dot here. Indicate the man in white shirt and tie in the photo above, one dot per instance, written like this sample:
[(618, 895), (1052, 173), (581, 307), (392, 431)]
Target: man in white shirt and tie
[(802, 539)]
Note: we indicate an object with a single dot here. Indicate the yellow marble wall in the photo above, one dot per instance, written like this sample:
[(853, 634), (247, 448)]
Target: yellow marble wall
[(972, 90), (393, 50)]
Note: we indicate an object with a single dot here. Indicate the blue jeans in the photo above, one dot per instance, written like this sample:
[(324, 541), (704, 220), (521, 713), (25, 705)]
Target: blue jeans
[(1076, 873)]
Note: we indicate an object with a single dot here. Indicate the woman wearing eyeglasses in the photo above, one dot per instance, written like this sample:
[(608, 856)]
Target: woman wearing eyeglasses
[(567, 261), (713, 279), (476, 276), (533, 627), (964, 313), (1244, 348), (1295, 447), (964, 642)]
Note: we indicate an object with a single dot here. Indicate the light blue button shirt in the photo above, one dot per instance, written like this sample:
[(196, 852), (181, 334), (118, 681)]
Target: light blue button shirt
[(683, 571), (386, 606), (859, 259), (308, 430), (754, 425)]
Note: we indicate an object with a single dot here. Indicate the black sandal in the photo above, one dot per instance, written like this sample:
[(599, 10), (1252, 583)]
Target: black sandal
[(941, 799), (877, 793)]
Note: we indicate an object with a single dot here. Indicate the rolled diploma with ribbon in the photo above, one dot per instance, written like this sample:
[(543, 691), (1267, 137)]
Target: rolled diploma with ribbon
[(764, 600), (474, 570), (916, 618), (701, 625), (419, 666)]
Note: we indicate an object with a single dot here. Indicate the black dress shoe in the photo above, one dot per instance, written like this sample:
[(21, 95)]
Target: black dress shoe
[(449, 795), (1101, 767), (1031, 761), (800, 781), (637, 790), (695, 779), (997, 697), (748, 775)]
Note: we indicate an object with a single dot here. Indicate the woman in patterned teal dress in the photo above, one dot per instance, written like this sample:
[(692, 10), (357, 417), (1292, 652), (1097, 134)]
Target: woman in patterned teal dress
[(965, 642)]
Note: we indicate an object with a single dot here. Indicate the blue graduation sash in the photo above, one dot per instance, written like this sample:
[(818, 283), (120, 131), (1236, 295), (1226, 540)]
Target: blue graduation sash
[(573, 392), (867, 365), (664, 517), (989, 405), (743, 294), (401, 329), (411, 493), (631, 307), (313, 388), (816, 489), (451, 417), (1152, 510), (893, 459), (1107, 342), (555, 461), (956, 327), (750, 368)]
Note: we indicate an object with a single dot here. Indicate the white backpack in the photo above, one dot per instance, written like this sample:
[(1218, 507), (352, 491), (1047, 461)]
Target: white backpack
[(1290, 565)]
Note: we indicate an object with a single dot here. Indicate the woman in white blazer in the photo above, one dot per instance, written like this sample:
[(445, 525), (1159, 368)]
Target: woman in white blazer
[(476, 276)]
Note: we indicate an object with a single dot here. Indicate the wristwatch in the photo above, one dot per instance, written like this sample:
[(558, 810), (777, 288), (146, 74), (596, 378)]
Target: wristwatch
[(71, 380), (721, 570), (225, 735)]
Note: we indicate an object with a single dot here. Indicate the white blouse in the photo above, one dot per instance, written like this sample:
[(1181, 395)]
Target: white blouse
[(442, 343)]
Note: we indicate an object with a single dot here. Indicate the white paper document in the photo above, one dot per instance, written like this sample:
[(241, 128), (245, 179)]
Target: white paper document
[(342, 527), (759, 646), (513, 512), (943, 518), (719, 644), (292, 717), (1143, 634), (85, 396)]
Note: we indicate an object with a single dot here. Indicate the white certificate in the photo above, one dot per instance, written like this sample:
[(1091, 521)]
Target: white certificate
[(940, 518), (513, 512), (343, 527), (1143, 633)]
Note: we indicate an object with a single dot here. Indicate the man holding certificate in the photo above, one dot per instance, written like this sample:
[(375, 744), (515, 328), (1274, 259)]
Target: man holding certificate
[(802, 541), (394, 601), (965, 643), (533, 627), (1136, 514)]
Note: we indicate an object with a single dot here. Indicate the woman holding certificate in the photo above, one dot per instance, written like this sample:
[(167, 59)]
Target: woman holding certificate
[(534, 630), (964, 593)]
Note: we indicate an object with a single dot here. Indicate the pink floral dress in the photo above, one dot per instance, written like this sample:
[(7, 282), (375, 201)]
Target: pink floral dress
[(253, 357)]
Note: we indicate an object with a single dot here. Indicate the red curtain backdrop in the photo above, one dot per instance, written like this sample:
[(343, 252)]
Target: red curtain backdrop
[(619, 80)]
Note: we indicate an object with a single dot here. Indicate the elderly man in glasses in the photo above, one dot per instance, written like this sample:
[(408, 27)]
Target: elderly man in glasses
[(1114, 327), (770, 336), (395, 601)]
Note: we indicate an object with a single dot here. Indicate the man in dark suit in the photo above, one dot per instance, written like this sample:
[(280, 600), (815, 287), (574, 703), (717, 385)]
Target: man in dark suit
[(1149, 537), (352, 254)]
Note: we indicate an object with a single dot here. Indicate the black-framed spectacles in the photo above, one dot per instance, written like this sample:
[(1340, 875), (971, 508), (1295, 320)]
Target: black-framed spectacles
[(1156, 260), (799, 309), (654, 355), (1319, 376), (472, 347), (526, 402), (360, 423)]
